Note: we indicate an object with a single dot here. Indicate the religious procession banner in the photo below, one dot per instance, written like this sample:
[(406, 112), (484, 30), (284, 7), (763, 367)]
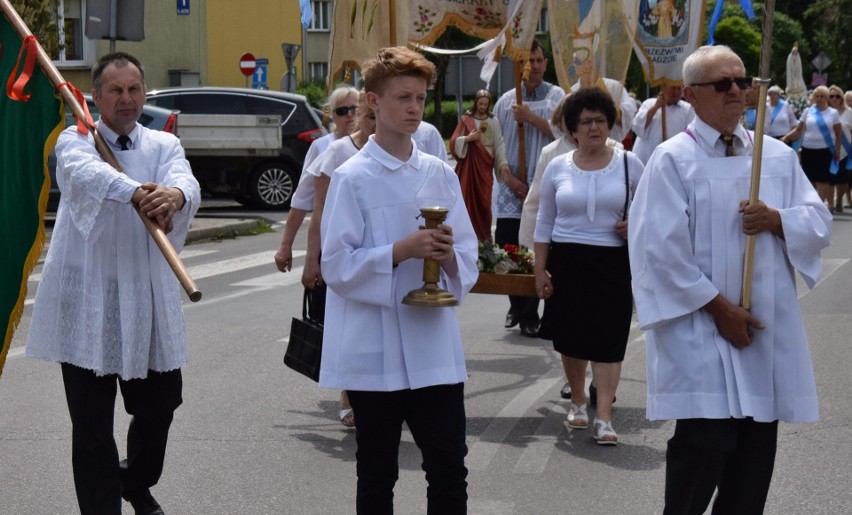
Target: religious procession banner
[(28, 131), (428, 19), (664, 33), (589, 41), (360, 29)]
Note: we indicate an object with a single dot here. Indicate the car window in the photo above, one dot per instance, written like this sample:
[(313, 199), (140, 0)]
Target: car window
[(257, 105), (93, 110), (211, 103), (165, 101)]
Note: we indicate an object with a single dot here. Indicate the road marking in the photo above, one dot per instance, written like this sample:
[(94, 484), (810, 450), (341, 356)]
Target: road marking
[(482, 451), (191, 253), (538, 450), (266, 258), (16, 352), (225, 266), (829, 266), (277, 279)]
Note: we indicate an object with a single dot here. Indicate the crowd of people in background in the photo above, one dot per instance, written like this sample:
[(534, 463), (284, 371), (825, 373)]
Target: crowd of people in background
[(588, 155), (579, 195)]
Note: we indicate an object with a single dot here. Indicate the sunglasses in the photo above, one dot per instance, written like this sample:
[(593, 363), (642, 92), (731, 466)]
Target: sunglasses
[(343, 111), (834, 96), (724, 85)]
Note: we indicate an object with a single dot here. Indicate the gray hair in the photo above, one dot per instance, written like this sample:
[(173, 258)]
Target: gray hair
[(340, 92), (775, 89), (695, 66)]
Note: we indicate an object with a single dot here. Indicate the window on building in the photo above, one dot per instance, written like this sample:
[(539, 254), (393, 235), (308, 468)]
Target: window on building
[(318, 71), (322, 15), (74, 48), (543, 22)]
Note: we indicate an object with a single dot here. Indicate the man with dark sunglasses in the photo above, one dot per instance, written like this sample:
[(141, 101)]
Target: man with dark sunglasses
[(727, 375)]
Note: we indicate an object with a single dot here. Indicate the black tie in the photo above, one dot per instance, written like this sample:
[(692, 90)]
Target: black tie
[(124, 141), (729, 144)]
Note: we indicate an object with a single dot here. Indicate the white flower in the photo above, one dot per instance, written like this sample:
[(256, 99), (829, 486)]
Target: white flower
[(501, 268)]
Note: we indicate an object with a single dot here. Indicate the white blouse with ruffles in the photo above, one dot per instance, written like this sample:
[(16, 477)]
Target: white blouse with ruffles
[(580, 206)]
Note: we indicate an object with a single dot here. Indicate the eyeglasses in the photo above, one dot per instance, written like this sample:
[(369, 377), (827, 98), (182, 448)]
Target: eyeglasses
[(724, 85), (834, 96), (589, 121), (343, 111)]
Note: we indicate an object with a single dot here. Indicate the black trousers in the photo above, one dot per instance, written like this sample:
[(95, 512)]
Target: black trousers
[(435, 415), (507, 232), (99, 478), (737, 456)]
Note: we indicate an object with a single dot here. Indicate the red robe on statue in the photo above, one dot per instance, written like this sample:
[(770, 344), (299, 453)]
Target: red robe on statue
[(475, 171)]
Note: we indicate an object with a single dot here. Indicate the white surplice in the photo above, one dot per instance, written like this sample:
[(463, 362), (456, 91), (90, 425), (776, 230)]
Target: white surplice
[(372, 341), (303, 196), (107, 300), (678, 117), (429, 140), (686, 246)]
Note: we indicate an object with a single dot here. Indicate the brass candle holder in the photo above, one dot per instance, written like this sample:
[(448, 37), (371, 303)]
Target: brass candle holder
[(431, 295), (434, 199)]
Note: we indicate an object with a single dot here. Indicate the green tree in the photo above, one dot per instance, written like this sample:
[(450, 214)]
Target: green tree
[(736, 33), (831, 22), (785, 32), (40, 18)]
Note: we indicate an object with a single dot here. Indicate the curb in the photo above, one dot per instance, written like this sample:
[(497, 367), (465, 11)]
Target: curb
[(219, 228)]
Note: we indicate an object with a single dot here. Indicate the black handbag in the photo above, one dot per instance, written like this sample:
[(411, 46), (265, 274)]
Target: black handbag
[(304, 351)]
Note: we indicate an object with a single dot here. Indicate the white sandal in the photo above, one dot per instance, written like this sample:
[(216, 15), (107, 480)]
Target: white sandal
[(577, 417), (347, 417), (604, 433)]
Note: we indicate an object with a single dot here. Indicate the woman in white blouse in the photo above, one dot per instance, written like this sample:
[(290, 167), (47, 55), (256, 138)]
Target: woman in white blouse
[(820, 124), (320, 171), (582, 269), (840, 182)]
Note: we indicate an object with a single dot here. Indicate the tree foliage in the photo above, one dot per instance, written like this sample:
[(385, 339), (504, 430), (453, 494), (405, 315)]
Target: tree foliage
[(40, 18), (830, 22)]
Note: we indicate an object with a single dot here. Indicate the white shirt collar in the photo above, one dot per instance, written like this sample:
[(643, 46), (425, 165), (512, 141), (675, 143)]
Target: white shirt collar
[(708, 137), (390, 162), (110, 135)]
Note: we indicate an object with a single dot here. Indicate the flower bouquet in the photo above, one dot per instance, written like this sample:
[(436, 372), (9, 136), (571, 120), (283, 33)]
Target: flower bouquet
[(505, 271)]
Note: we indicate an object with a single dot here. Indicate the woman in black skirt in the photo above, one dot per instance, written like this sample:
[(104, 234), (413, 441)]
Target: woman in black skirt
[(820, 143), (581, 263)]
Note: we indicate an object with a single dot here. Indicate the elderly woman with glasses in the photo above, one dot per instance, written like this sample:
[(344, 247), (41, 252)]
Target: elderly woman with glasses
[(821, 143), (582, 270), (840, 182), (343, 104)]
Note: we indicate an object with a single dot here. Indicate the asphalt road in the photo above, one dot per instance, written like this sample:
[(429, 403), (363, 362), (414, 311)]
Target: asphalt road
[(254, 437)]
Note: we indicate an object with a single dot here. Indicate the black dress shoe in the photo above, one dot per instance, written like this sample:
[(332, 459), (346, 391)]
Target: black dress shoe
[(512, 319), (529, 330), (143, 502)]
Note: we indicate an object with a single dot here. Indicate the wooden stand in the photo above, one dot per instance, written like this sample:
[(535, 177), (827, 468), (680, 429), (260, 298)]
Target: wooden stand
[(522, 285)]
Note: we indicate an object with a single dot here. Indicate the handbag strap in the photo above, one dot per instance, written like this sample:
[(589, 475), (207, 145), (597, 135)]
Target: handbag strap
[(306, 299), (626, 188)]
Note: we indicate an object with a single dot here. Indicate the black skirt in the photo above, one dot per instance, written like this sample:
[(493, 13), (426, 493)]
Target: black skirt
[(588, 315), (816, 163)]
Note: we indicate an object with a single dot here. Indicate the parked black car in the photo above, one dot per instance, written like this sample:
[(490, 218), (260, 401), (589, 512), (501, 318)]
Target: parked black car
[(267, 182), (152, 117)]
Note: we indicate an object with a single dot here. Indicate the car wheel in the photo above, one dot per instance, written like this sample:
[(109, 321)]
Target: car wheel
[(272, 186)]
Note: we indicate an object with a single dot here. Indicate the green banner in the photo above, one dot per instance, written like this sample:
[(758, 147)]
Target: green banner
[(28, 131)]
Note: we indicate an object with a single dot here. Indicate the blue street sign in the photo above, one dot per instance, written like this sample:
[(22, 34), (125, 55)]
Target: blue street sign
[(258, 78), (183, 6)]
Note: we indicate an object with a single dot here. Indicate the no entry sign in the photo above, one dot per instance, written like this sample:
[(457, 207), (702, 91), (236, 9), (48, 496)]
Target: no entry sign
[(247, 64)]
